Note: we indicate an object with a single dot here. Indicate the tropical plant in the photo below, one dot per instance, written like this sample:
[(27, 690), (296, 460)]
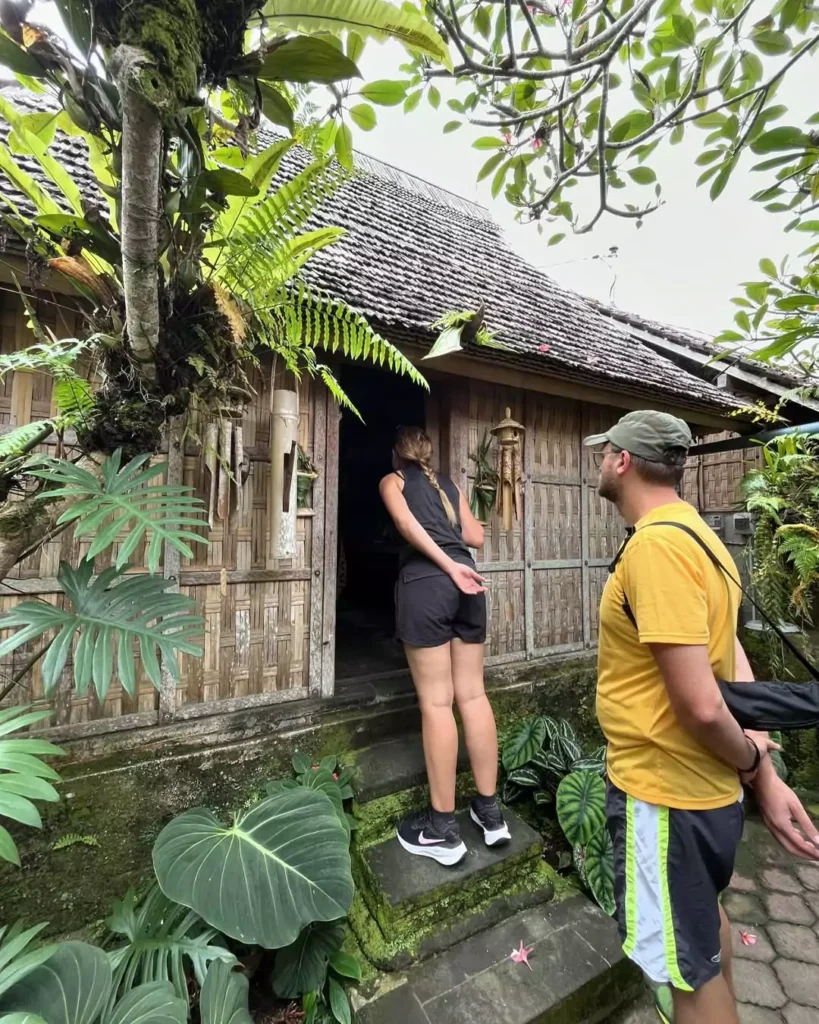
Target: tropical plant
[(538, 753), (24, 778), (485, 485), (783, 495), (161, 94), (279, 877), (581, 811)]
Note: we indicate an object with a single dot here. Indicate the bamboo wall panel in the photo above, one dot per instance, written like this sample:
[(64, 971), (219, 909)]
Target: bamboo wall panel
[(558, 608), (599, 576), (557, 521), (556, 444), (505, 618), (487, 407), (713, 482), (257, 632), (606, 528)]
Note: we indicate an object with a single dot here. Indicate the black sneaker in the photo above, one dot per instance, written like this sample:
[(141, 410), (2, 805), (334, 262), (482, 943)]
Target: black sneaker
[(490, 820), (421, 837)]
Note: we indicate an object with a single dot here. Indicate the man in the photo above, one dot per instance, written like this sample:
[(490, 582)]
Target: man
[(676, 756)]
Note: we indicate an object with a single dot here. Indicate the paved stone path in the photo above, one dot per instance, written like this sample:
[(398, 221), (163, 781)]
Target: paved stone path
[(775, 898)]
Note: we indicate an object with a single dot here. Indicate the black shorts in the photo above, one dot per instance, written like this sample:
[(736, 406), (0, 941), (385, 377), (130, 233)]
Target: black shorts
[(430, 611), (670, 867)]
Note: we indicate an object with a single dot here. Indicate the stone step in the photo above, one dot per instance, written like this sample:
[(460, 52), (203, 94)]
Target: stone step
[(394, 766), (578, 974), (412, 907)]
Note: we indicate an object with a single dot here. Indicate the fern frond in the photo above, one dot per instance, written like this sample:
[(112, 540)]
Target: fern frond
[(21, 440), (52, 357)]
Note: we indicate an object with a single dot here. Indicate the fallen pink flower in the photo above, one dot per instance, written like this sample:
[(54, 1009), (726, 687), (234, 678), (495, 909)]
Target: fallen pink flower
[(748, 938), (543, 348), (521, 956)]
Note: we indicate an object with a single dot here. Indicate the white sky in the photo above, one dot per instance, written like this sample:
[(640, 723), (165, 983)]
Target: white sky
[(682, 267)]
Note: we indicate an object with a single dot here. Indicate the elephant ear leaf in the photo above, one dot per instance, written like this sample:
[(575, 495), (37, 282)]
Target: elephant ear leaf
[(153, 1003), (69, 988), (581, 806), (224, 998)]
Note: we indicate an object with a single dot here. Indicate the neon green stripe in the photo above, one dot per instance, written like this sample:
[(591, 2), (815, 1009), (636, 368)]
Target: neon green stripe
[(631, 882), (674, 974)]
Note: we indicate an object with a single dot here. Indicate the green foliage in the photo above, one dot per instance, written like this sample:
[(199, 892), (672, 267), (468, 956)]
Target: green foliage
[(302, 966), (539, 753), (485, 484), (74, 839), (523, 742), (280, 866), (784, 497), (24, 778), (600, 869), (164, 938), (224, 998), (18, 956), (121, 504), (581, 806), (99, 613)]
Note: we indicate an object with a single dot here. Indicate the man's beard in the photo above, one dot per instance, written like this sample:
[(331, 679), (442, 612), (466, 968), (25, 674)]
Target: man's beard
[(609, 488)]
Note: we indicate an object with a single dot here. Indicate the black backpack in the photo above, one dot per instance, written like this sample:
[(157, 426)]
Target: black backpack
[(758, 705)]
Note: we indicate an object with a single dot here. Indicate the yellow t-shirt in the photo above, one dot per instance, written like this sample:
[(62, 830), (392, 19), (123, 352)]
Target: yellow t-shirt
[(677, 596)]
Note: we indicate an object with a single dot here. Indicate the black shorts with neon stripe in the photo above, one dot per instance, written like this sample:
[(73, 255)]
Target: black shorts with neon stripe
[(670, 867)]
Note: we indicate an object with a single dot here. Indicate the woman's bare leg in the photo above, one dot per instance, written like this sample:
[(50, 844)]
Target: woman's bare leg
[(431, 671), (476, 715)]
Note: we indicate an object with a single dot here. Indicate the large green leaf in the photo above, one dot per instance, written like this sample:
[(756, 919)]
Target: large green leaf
[(21, 1018), (581, 806), (164, 938), (305, 59), (224, 998), (23, 777), (123, 500), (77, 17), (523, 742), (69, 988), (321, 779), (339, 1003), (600, 869), (301, 967), (112, 607), (17, 957), (154, 1003), (376, 19), (280, 866), (18, 60)]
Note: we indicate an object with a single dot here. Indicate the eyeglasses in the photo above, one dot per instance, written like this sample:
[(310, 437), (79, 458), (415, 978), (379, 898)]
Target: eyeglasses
[(599, 457)]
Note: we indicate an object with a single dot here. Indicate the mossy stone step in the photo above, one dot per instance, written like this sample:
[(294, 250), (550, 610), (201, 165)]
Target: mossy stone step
[(578, 974), (392, 767), (411, 907)]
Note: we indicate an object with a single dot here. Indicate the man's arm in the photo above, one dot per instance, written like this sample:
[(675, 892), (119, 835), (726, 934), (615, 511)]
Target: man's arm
[(699, 707)]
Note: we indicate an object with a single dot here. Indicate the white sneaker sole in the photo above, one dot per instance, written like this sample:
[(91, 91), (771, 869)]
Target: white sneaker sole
[(449, 858), (500, 835)]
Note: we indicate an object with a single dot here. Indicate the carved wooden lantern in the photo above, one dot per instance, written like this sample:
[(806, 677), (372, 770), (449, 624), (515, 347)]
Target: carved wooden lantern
[(510, 466)]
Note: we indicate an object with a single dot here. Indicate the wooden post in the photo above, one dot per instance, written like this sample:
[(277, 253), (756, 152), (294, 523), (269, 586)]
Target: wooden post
[(459, 433), (321, 401), (529, 524), (328, 643), (172, 562)]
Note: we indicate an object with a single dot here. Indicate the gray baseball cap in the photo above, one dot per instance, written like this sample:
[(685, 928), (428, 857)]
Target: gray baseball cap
[(650, 435)]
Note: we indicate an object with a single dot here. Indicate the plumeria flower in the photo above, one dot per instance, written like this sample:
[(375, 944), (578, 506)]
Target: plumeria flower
[(537, 143), (521, 955), (748, 938)]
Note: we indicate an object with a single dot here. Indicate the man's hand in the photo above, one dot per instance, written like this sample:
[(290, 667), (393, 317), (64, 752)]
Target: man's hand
[(765, 745), (781, 808)]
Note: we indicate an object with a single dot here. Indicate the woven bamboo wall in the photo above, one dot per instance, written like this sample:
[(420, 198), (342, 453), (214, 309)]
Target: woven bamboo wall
[(546, 574), (257, 628), (712, 482)]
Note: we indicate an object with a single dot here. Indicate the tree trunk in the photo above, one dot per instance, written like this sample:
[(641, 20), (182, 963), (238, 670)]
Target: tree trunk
[(141, 174)]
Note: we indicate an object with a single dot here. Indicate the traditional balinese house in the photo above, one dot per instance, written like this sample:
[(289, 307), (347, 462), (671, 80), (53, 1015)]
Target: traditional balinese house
[(318, 624)]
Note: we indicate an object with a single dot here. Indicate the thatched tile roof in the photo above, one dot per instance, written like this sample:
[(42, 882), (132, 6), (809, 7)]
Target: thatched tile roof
[(414, 252)]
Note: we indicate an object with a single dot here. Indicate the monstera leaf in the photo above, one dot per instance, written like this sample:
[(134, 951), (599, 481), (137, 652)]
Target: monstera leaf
[(600, 869), (523, 742), (302, 966), (224, 998), (581, 806), (97, 611), (69, 988), (280, 866), (163, 939)]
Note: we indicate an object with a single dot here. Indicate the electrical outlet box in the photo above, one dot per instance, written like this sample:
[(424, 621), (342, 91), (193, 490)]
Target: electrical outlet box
[(716, 523), (744, 524)]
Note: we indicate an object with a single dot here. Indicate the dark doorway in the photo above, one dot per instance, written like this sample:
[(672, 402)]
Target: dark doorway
[(369, 545)]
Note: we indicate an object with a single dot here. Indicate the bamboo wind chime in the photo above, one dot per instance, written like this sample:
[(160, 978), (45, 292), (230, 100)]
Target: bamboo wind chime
[(224, 454), (510, 469)]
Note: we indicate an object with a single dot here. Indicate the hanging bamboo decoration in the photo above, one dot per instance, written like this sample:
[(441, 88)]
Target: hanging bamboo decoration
[(284, 436), (239, 465), (225, 446), (509, 432), (211, 463)]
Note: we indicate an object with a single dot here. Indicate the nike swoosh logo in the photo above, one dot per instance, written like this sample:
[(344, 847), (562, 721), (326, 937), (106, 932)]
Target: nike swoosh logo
[(422, 839)]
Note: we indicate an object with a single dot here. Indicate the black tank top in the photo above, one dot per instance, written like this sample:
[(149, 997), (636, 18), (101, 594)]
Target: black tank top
[(425, 504)]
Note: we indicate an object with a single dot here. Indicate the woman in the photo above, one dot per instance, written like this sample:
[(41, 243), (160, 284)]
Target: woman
[(441, 620)]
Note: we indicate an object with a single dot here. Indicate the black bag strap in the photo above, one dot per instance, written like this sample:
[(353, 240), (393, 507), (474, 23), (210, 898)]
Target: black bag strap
[(800, 657)]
